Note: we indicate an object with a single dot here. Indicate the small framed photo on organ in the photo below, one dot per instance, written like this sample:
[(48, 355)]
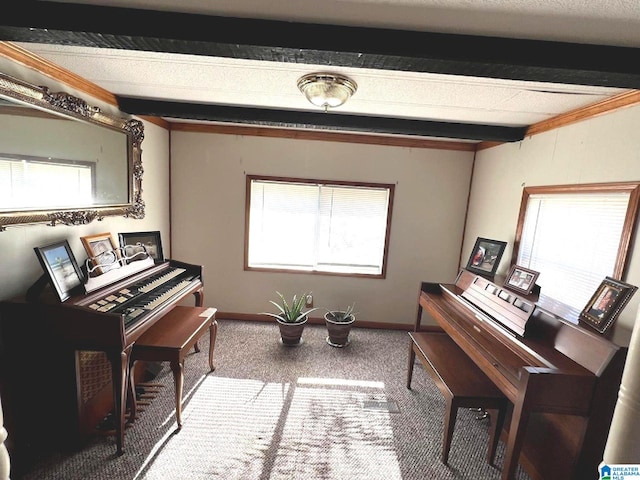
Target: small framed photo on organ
[(102, 250), (606, 303), (135, 241), (485, 256), (60, 265), (521, 279)]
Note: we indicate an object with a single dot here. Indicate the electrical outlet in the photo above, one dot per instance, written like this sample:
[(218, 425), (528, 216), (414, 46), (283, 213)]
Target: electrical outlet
[(309, 301)]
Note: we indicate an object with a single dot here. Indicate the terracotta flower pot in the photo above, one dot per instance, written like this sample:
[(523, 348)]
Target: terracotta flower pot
[(338, 330), (291, 333)]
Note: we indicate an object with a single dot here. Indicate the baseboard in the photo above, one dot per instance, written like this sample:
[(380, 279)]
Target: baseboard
[(314, 321)]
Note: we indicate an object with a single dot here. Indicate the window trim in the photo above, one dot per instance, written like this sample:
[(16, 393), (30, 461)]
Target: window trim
[(250, 178), (628, 229)]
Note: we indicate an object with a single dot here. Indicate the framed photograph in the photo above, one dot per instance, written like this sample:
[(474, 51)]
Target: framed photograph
[(485, 256), (606, 303), (521, 279), (60, 265), (102, 249), (151, 240)]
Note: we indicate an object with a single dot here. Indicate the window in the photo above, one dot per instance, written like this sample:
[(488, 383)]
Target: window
[(36, 181), (317, 226), (575, 236)]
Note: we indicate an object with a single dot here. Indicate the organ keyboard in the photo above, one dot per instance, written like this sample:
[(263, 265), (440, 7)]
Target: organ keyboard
[(148, 294), (108, 320)]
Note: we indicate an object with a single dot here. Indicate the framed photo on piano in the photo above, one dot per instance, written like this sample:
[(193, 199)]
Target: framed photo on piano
[(485, 256), (102, 251), (521, 279), (606, 303), (151, 241), (60, 266)]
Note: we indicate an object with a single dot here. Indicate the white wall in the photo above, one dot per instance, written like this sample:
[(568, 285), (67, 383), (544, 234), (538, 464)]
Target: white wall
[(19, 267), (208, 215), (602, 149)]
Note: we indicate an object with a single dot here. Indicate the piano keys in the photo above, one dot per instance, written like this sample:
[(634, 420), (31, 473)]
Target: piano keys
[(42, 337), (561, 378), (134, 300)]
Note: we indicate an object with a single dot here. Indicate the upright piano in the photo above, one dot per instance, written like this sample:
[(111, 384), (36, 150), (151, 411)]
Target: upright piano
[(45, 342), (561, 378)]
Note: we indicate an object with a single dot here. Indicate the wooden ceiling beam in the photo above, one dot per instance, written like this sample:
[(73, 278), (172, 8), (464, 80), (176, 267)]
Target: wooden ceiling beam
[(359, 47), (318, 121)]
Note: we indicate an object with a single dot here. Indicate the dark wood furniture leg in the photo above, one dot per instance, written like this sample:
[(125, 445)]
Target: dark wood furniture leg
[(177, 367), (449, 425), (199, 299), (517, 430), (213, 333), (412, 361), (497, 422), (133, 401), (120, 374)]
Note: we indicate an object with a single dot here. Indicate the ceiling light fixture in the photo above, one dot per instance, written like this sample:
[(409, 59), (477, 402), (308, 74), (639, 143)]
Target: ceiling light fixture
[(327, 90)]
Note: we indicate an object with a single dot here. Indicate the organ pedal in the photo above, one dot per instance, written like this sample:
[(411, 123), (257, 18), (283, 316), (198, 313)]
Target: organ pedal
[(482, 413)]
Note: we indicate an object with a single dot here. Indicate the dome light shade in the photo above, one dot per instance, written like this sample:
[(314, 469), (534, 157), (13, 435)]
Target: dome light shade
[(327, 90)]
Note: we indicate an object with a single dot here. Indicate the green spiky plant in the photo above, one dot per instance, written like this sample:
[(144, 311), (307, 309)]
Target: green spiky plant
[(290, 312), (342, 315)]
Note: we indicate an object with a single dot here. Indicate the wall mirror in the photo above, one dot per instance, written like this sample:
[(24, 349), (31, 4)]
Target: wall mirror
[(64, 161)]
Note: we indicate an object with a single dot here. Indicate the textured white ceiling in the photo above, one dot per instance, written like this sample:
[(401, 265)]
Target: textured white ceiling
[(240, 82), (425, 96)]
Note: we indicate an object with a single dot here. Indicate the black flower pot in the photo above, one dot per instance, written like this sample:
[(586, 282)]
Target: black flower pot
[(291, 333), (338, 330)]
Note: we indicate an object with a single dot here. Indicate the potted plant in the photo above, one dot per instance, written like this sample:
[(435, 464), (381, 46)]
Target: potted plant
[(291, 318), (339, 324)]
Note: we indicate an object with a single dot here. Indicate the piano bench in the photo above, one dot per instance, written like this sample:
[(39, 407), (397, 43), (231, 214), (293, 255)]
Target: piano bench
[(169, 340), (461, 382)]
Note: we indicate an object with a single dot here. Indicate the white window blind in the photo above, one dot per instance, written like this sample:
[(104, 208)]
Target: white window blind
[(317, 227), (573, 241), (44, 184)]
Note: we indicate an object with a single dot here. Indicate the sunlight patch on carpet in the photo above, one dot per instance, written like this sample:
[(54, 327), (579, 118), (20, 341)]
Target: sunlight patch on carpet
[(341, 382), (390, 406), (236, 429), (328, 435), (227, 427)]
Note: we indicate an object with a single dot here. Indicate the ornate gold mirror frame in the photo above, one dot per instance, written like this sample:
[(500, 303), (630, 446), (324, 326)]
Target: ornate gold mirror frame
[(73, 108)]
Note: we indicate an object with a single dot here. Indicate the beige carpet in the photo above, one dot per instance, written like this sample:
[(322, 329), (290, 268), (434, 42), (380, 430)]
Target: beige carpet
[(270, 412)]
